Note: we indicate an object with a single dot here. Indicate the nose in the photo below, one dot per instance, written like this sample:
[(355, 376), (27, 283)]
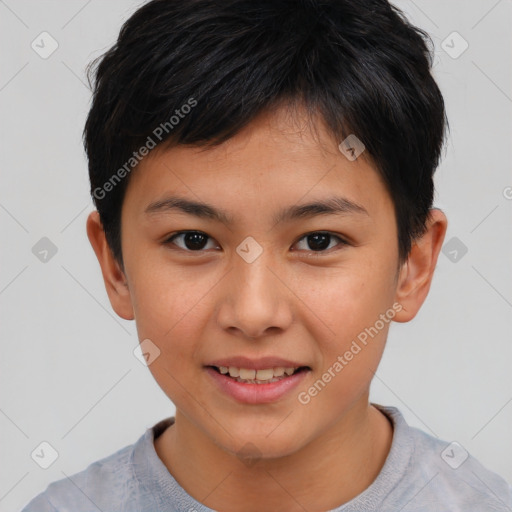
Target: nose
[(254, 300)]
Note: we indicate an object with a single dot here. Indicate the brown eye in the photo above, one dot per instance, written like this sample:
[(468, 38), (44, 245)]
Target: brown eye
[(190, 240), (319, 241)]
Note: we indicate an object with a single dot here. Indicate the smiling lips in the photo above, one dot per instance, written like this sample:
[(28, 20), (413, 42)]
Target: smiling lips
[(260, 371), (264, 376), (255, 391)]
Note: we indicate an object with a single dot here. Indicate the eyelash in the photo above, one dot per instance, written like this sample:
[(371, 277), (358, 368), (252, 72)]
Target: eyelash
[(341, 243)]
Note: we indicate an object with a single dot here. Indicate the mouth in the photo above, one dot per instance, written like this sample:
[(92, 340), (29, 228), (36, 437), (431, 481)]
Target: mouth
[(260, 376)]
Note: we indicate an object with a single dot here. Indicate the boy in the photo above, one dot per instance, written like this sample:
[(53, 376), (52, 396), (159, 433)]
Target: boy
[(296, 140)]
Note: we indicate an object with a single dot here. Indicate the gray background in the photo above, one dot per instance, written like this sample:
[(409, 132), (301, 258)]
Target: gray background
[(68, 375)]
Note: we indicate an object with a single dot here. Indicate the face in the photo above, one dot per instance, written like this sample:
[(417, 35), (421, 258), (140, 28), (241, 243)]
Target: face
[(260, 280)]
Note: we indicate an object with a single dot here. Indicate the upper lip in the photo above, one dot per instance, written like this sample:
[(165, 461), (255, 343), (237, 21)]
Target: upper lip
[(256, 364)]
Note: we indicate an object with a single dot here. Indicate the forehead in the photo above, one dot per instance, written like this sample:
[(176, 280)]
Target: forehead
[(278, 159)]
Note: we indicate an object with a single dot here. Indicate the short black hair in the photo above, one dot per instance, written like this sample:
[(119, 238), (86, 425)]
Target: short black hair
[(196, 72)]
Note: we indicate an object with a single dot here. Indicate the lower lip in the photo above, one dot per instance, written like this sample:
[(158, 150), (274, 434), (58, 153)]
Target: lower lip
[(256, 393)]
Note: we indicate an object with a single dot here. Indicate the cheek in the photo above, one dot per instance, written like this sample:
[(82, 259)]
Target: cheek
[(352, 347), (347, 298), (169, 305)]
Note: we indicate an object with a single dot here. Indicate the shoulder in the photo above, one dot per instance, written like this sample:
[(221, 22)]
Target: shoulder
[(103, 483), (452, 471), (443, 473)]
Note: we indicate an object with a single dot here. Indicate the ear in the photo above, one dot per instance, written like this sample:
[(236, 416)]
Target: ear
[(113, 276), (415, 276)]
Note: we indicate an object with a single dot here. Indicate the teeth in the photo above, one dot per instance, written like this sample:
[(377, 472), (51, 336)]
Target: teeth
[(234, 372), (264, 374), (257, 376), (246, 374)]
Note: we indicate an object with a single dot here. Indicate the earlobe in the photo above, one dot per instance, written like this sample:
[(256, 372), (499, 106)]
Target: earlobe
[(113, 276), (416, 274)]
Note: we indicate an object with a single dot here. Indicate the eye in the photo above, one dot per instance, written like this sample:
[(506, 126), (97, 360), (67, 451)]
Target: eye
[(319, 241), (197, 241), (193, 241)]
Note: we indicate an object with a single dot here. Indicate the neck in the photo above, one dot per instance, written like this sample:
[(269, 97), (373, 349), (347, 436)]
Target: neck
[(324, 474)]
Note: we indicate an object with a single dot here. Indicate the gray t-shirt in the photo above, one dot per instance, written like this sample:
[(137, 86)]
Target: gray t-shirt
[(421, 474)]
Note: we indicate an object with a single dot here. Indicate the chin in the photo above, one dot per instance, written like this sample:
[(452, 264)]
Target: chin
[(257, 444)]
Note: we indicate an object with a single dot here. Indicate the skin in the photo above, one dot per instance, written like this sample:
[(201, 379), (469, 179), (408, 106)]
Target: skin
[(290, 302)]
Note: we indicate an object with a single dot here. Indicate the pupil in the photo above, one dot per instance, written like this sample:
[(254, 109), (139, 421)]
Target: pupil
[(195, 240), (318, 241)]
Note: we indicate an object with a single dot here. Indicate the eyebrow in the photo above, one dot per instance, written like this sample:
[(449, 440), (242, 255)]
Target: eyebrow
[(328, 206)]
